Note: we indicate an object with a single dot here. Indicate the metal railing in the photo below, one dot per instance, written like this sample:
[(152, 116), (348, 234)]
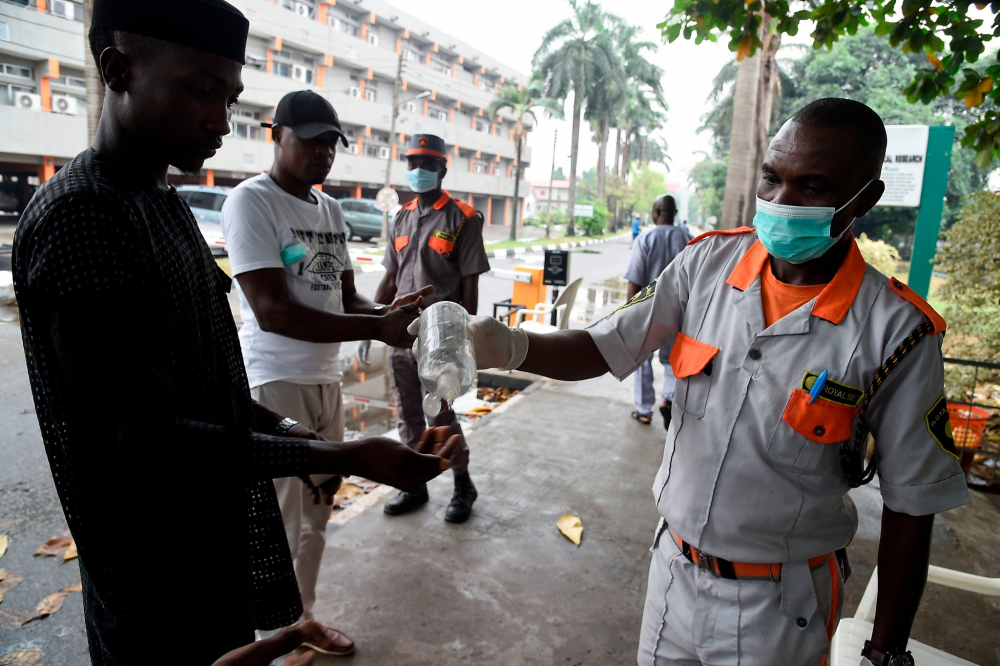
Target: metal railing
[(965, 381)]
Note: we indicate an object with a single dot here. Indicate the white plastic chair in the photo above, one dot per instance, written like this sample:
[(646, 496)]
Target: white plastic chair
[(562, 308), (852, 632)]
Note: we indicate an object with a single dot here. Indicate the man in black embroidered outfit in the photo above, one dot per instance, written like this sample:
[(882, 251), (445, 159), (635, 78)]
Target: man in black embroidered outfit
[(135, 363)]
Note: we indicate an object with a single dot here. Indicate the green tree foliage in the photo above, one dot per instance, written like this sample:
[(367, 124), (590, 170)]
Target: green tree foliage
[(880, 255), (596, 224), (709, 179), (915, 26), (970, 257), (559, 174), (640, 191), (865, 68)]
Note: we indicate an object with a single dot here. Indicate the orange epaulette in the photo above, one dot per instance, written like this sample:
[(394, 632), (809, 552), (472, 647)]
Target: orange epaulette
[(721, 232), (466, 209), (902, 289)]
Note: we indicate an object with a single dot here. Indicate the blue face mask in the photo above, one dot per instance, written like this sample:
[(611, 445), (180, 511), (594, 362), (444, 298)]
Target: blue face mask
[(422, 180), (797, 234)]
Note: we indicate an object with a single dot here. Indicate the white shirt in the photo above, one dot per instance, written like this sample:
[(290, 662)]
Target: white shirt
[(259, 220)]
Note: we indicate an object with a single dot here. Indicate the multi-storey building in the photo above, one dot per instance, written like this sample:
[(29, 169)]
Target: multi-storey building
[(547, 195), (348, 50)]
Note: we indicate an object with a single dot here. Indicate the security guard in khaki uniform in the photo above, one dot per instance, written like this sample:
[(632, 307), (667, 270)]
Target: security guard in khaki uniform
[(788, 349), (437, 241)]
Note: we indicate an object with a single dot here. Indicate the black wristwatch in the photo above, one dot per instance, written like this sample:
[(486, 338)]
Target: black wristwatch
[(284, 425), (379, 309), (890, 658)]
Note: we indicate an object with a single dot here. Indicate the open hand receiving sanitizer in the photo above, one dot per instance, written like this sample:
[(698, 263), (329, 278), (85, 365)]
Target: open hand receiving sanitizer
[(445, 361)]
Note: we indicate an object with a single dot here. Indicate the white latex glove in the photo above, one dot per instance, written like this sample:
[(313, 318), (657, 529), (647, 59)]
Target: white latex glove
[(496, 345)]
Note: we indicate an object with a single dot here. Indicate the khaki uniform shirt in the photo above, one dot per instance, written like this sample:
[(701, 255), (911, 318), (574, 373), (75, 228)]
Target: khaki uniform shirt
[(751, 469), (437, 246)]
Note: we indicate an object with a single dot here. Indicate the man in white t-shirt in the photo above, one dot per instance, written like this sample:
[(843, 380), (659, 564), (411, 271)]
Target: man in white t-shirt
[(287, 244)]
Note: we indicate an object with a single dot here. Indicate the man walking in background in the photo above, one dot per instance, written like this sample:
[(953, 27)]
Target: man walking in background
[(287, 243), (436, 240), (651, 253)]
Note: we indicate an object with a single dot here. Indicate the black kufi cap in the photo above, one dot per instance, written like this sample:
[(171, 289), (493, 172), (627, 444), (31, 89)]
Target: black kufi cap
[(213, 26)]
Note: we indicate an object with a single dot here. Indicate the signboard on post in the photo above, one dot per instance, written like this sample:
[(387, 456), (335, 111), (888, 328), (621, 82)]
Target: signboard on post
[(583, 210), (903, 166), (387, 199), (556, 268)]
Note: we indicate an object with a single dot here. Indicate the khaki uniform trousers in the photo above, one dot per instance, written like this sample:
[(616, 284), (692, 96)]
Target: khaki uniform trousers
[(693, 618), (409, 395), (319, 408)]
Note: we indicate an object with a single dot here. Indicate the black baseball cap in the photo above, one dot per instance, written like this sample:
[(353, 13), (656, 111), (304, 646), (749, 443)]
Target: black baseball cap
[(308, 115)]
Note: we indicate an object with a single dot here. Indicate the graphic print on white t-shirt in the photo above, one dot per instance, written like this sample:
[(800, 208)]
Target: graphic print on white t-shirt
[(259, 221)]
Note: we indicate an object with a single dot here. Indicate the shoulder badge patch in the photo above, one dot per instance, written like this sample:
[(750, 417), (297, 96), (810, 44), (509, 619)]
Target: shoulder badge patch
[(642, 295), (939, 426), (842, 394)]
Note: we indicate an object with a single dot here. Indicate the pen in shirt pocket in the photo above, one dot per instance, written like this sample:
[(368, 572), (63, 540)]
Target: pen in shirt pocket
[(817, 387)]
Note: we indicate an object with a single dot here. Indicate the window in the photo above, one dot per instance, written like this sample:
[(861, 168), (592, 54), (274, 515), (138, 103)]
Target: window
[(479, 167), (440, 67), (485, 86), (541, 194), (373, 39), (372, 151), (18, 71), (349, 206), (482, 127), (206, 200), (410, 55), (370, 95)]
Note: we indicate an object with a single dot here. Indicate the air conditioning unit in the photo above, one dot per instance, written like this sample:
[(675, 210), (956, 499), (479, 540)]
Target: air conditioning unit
[(299, 73), (441, 115), (302, 9), (383, 153), (30, 101), (370, 95), (411, 107), (478, 168), (373, 39), (65, 104), (63, 8), (355, 92)]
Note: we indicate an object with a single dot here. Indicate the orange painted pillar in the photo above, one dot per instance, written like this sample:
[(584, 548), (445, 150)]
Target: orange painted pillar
[(208, 178), (321, 13), (41, 6), (489, 211), (46, 94), (357, 191), (48, 168)]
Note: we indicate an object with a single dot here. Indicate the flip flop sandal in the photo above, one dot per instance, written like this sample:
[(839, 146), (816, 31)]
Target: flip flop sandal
[(644, 419)]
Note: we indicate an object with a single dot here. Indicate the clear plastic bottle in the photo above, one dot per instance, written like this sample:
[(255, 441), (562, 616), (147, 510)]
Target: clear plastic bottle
[(445, 361)]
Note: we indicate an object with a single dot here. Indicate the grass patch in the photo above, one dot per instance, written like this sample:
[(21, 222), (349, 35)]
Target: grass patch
[(509, 245)]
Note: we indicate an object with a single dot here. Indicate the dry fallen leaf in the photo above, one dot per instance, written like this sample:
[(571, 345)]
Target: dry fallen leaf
[(4, 540), (8, 581), (349, 490), (70, 552), (571, 527), (22, 658), (47, 606), (75, 587), (55, 546)]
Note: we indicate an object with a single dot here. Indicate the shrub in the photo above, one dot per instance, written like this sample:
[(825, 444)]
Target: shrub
[(594, 226), (882, 256)]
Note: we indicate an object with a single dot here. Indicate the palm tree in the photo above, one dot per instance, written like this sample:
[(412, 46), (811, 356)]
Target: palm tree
[(521, 104), (575, 56), (95, 89)]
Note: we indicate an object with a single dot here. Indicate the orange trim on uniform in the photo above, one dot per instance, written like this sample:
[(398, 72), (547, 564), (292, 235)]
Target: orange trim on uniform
[(831, 624), (425, 151), (822, 421), (402, 241), (904, 290), (832, 303), (411, 204), (442, 200), (720, 232), (440, 245), (466, 209), (689, 356)]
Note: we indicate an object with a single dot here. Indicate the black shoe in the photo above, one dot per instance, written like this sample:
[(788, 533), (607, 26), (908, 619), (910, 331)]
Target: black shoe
[(665, 408), (406, 502), (461, 502)]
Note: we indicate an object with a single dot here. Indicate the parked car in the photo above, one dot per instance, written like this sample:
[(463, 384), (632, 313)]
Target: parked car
[(206, 204), (364, 218)]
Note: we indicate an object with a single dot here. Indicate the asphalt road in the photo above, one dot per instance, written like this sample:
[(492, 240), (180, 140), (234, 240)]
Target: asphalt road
[(30, 512)]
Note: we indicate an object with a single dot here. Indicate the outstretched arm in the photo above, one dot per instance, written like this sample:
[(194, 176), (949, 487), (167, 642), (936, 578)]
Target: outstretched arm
[(903, 555), (566, 355)]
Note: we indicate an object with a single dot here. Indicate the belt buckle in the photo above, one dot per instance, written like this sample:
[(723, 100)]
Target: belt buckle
[(706, 563)]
